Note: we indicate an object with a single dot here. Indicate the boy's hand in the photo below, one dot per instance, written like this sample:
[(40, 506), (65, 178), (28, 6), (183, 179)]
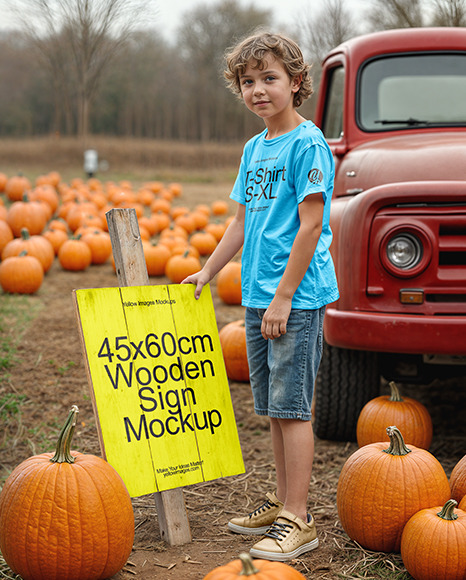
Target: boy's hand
[(275, 318), (199, 279)]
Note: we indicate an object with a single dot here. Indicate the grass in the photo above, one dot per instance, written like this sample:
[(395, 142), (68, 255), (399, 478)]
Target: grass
[(16, 311), (127, 159)]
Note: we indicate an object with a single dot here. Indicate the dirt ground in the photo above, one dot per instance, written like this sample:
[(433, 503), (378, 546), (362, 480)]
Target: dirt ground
[(50, 373)]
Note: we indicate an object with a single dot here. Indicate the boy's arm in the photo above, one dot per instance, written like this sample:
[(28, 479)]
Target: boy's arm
[(228, 246), (310, 214)]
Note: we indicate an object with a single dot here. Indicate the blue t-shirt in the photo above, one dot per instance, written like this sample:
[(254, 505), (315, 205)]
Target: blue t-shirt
[(275, 176)]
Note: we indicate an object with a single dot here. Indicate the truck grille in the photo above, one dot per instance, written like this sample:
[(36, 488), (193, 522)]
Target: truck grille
[(452, 245), (444, 280)]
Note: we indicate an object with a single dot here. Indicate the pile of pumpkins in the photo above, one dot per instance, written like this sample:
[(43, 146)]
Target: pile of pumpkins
[(49, 218), (394, 496)]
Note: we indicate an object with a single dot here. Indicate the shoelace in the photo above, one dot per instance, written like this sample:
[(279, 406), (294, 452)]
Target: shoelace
[(267, 505), (278, 531)]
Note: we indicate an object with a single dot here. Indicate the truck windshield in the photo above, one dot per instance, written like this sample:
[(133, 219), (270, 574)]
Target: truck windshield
[(410, 91)]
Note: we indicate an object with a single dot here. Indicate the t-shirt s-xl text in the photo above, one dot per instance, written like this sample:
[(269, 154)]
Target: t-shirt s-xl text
[(275, 176)]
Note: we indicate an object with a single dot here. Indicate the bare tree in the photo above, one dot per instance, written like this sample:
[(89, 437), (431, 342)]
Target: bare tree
[(77, 39), (449, 12), (386, 14), (205, 33), (327, 28)]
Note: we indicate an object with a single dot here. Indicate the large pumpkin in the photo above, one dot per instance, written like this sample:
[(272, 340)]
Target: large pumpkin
[(181, 266), (37, 245), (433, 544), (156, 257), (74, 254), (6, 235), (458, 480), (380, 488), (27, 214), (65, 515), (100, 244), (229, 283), (254, 569), (233, 341), (410, 416), (21, 274), (16, 186)]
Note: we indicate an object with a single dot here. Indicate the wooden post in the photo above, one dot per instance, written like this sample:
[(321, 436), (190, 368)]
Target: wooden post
[(131, 270)]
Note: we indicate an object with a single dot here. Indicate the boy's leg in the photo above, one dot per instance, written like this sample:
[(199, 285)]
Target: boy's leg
[(293, 447)]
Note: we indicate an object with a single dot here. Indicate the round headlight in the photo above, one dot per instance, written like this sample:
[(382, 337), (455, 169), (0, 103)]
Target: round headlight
[(404, 251)]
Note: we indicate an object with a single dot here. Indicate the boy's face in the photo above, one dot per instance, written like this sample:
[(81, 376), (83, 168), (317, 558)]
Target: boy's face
[(268, 92)]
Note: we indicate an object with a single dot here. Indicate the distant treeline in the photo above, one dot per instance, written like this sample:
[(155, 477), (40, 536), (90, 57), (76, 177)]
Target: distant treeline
[(83, 76)]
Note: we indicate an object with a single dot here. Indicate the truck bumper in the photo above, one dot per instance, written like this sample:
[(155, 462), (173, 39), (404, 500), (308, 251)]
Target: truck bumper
[(396, 333)]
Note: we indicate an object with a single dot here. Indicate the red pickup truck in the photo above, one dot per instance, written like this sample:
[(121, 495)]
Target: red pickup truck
[(392, 106)]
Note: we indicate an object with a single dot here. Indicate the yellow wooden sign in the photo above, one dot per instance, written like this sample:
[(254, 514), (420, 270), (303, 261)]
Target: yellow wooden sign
[(159, 385)]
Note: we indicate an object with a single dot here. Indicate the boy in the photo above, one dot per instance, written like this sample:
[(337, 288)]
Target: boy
[(283, 190)]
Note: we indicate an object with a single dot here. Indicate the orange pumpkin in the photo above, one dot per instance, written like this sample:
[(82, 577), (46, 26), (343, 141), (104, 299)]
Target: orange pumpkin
[(6, 235), (156, 256), (254, 569), (180, 266), (380, 488), (233, 341), (458, 480), (21, 274), (56, 236), (410, 416), (176, 189), (219, 207), (160, 204), (185, 221), (229, 283), (16, 186), (58, 224), (65, 515), (47, 194), (37, 246), (27, 214), (433, 543), (100, 245), (3, 181), (161, 219), (217, 229), (74, 254), (201, 219), (462, 504), (179, 211), (204, 242)]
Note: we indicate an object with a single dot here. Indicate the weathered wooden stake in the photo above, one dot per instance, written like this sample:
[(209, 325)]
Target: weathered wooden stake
[(131, 270)]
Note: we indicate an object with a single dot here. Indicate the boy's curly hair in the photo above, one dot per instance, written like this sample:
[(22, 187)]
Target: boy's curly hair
[(253, 50)]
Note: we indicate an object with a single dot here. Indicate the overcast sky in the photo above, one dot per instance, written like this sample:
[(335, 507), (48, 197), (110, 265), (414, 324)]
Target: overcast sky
[(168, 13), (286, 12)]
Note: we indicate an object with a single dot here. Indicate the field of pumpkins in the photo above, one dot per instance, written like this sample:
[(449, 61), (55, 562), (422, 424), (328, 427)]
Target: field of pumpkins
[(391, 505)]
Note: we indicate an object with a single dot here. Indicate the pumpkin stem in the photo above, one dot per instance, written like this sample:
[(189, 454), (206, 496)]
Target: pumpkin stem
[(25, 235), (394, 392), (447, 513), (63, 451), (397, 443), (248, 566)]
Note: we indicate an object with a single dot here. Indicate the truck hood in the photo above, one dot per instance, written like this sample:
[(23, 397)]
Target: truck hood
[(418, 157)]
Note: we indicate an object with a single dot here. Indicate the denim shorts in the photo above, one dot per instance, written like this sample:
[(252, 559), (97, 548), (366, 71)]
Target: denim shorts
[(282, 371)]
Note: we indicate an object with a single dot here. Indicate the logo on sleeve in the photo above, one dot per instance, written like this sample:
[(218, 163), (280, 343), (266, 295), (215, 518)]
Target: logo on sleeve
[(315, 176)]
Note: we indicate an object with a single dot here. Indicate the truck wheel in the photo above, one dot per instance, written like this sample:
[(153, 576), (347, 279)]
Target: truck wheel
[(346, 381)]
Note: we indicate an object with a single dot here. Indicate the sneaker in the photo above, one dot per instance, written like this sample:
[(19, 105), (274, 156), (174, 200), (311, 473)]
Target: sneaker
[(260, 520), (286, 539)]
